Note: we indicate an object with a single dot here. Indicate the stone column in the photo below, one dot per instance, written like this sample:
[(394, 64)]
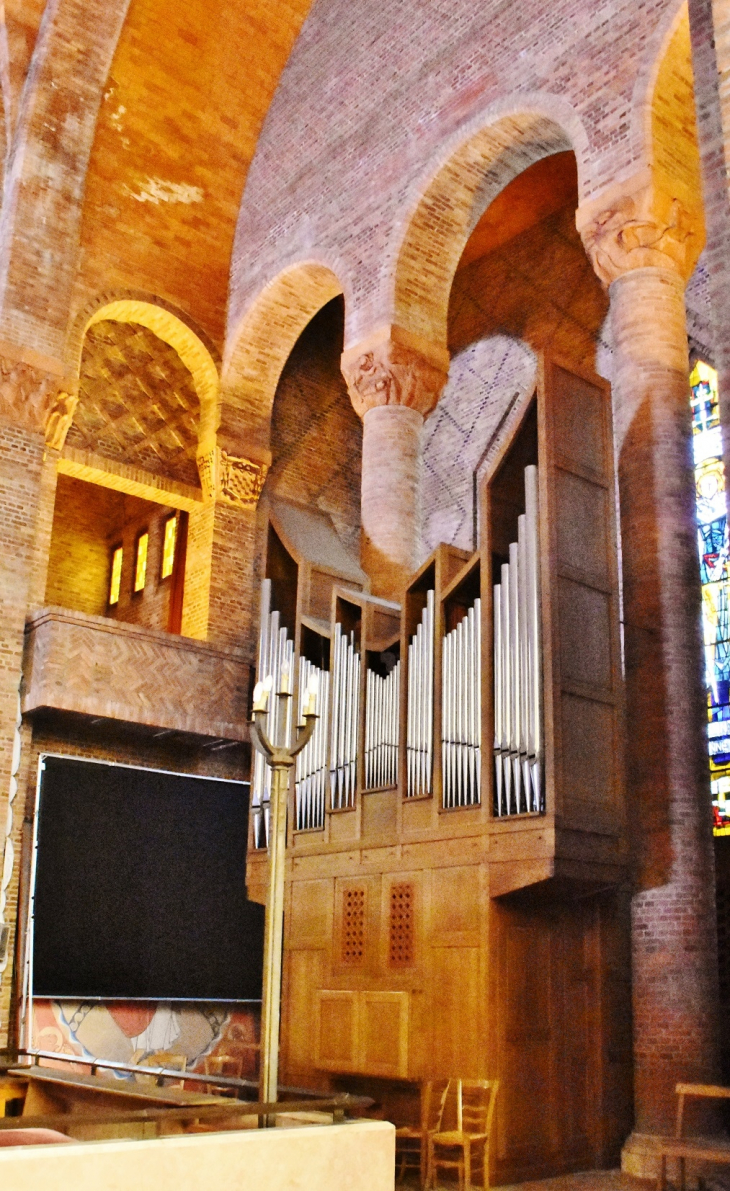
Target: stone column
[(221, 601), (643, 248), (393, 385), (27, 397)]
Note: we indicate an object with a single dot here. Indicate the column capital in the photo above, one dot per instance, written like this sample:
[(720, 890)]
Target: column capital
[(392, 367), (638, 225)]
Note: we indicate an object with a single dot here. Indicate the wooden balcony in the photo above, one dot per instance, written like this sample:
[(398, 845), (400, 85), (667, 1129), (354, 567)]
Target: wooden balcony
[(100, 667)]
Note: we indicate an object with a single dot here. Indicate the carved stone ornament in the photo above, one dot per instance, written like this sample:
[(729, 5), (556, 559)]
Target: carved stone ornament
[(391, 373), (207, 470), (58, 422), (240, 480), (27, 394), (639, 229)]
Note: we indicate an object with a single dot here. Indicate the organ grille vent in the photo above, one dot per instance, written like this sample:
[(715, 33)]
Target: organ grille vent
[(353, 926), (400, 949)]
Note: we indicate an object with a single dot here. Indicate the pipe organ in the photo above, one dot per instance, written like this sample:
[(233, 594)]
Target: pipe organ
[(461, 711), (382, 711), (419, 731), (518, 669), (311, 764), (345, 716), (468, 749), (275, 658)]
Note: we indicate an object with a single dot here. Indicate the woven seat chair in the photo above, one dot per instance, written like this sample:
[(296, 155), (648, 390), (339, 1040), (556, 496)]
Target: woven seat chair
[(468, 1144)]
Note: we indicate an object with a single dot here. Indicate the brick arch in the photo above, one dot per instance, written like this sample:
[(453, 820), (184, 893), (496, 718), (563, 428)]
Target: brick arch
[(646, 80), (196, 353), (262, 342), (60, 103), (449, 206)]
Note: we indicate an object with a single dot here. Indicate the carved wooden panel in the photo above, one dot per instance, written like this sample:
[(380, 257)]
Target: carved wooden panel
[(383, 1041), (364, 1031), (401, 925), (580, 585), (337, 1030), (352, 941)]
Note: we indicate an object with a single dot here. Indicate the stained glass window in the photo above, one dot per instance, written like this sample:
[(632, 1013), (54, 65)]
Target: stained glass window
[(168, 546), (140, 562), (116, 575), (712, 540)]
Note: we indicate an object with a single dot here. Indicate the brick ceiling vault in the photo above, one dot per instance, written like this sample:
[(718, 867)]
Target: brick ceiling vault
[(137, 402)]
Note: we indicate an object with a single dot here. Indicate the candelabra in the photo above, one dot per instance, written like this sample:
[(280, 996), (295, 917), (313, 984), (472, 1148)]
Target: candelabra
[(280, 757)]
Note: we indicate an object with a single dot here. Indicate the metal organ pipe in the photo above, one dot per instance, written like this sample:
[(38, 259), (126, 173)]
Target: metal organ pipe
[(419, 727), (382, 698), (518, 669), (461, 711), (275, 654), (311, 771), (345, 718)]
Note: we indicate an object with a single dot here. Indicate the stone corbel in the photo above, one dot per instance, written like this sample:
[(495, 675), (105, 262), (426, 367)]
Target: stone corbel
[(59, 420), (233, 479), (392, 368), (638, 225)]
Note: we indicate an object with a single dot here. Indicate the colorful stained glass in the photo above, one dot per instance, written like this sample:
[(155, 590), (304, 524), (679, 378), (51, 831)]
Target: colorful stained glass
[(712, 541), (168, 547), (140, 564), (115, 581)]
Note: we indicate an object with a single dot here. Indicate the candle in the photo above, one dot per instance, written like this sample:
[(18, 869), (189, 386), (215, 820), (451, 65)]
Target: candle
[(261, 694), (285, 683)]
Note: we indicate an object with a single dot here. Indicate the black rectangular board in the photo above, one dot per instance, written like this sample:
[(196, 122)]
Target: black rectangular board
[(140, 886)]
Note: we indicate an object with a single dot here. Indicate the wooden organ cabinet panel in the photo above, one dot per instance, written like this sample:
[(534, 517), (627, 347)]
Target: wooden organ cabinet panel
[(582, 702), (456, 852)]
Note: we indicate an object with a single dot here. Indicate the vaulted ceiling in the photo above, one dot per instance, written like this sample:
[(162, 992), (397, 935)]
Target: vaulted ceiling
[(188, 91)]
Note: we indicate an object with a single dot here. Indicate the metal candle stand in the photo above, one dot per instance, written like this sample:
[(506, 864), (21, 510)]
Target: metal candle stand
[(281, 759)]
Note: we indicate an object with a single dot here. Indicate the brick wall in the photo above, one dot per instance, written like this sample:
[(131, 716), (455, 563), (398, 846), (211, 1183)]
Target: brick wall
[(381, 92)]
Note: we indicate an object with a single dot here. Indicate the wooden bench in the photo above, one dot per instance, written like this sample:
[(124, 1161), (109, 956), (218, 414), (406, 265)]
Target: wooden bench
[(697, 1149)]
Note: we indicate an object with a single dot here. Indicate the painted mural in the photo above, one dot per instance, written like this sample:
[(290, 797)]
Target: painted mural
[(138, 1032)]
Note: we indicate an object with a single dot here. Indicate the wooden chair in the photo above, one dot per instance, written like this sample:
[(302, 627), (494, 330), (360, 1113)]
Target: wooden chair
[(173, 1062), (695, 1149), (475, 1099), (411, 1141), (230, 1065)]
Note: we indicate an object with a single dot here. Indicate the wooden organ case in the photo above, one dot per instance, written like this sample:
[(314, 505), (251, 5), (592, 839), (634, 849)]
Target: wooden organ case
[(457, 905)]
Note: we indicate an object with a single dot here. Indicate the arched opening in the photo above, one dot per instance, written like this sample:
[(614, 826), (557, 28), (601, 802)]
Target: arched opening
[(523, 284), (128, 479)]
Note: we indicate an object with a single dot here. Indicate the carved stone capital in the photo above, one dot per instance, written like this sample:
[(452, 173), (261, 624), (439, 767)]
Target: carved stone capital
[(636, 225), (231, 478), (27, 394), (386, 370)]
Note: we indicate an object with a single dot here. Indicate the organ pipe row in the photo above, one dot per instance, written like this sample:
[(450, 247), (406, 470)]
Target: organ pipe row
[(275, 657), (311, 773), (382, 714), (345, 718), (333, 749), (517, 669), (461, 711), (419, 730)]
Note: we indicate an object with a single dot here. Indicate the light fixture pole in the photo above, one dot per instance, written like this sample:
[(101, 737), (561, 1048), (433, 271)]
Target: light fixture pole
[(280, 759)]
